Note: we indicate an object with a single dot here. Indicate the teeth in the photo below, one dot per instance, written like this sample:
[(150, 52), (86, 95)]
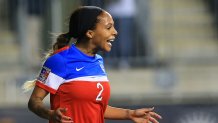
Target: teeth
[(111, 40), (109, 43)]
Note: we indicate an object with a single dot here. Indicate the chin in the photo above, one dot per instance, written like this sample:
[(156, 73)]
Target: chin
[(107, 50)]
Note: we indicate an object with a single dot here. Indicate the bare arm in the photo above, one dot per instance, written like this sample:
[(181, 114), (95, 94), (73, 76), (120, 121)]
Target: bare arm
[(36, 105), (143, 115), (117, 113)]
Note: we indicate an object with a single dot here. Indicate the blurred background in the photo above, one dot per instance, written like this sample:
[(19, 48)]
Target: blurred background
[(166, 55)]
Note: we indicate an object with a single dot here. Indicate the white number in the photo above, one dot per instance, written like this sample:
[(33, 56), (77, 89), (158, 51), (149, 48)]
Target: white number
[(99, 97)]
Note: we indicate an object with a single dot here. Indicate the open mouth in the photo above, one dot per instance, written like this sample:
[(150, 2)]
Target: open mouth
[(110, 42)]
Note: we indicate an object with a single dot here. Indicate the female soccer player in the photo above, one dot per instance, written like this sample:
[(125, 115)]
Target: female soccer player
[(75, 77)]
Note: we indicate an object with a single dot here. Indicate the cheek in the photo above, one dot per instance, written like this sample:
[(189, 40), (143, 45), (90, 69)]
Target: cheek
[(98, 41), (101, 38)]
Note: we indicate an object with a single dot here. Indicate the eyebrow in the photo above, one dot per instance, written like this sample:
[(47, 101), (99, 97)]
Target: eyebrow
[(109, 24)]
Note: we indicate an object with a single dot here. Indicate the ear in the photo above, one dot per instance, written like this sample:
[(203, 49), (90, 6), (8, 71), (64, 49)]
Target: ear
[(90, 34)]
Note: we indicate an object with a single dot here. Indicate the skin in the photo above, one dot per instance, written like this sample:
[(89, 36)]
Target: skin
[(36, 105), (97, 39)]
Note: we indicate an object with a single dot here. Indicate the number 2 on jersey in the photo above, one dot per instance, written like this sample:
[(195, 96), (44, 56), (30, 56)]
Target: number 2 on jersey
[(99, 96)]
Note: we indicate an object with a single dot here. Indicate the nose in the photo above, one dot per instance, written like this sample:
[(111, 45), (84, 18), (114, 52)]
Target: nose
[(115, 33)]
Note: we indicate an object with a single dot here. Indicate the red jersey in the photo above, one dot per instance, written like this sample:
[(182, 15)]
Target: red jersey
[(77, 82)]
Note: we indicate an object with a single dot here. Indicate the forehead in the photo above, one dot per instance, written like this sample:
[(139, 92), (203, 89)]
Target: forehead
[(105, 18)]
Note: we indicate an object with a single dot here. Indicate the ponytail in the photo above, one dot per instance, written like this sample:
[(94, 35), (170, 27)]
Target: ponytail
[(81, 20), (28, 85), (62, 41)]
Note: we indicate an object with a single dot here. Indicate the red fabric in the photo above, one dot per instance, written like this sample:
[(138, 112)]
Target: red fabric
[(80, 100), (47, 88), (61, 49)]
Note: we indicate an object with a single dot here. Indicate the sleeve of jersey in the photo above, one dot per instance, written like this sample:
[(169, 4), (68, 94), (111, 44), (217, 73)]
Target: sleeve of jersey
[(52, 74)]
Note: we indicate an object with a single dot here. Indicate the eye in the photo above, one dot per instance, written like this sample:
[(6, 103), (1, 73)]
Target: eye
[(108, 27)]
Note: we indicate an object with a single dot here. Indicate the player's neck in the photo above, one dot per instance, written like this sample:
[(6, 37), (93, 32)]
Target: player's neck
[(86, 48)]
